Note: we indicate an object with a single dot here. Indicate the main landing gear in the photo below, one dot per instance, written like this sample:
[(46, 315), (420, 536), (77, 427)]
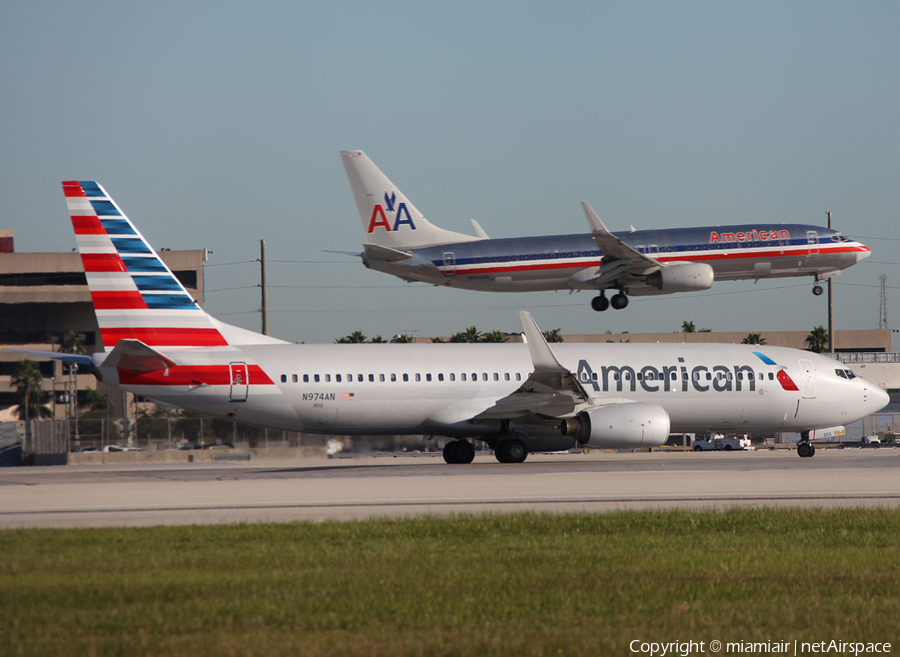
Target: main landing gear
[(511, 450), (601, 303), (817, 290), (805, 449), (459, 451)]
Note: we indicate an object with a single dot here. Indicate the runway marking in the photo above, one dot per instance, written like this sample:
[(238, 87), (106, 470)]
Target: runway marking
[(328, 504)]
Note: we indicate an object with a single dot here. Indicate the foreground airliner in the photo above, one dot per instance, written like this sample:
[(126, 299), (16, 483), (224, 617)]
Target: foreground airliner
[(518, 398), (402, 242)]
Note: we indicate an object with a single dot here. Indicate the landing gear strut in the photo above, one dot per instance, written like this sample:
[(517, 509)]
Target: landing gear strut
[(459, 451)]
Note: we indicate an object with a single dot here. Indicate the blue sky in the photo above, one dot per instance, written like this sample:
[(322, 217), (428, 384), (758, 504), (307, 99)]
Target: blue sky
[(217, 124)]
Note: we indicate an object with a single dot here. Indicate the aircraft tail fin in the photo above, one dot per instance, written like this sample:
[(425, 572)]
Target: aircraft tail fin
[(136, 296), (388, 217)]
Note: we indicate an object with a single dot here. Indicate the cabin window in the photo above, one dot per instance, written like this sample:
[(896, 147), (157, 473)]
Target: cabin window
[(327, 378), (294, 378), (771, 376), (452, 376), (463, 376), (418, 377), (506, 377), (393, 377), (316, 378), (484, 376), (496, 377), (428, 377), (440, 376), (284, 378), (381, 377), (406, 377), (306, 378), (337, 377), (518, 376), (359, 378)]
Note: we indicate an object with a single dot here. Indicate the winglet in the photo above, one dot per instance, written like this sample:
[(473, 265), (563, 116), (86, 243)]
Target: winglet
[(541, 355), (593, 220)]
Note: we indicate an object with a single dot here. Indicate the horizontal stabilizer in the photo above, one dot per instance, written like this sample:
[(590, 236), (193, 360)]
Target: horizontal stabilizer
[(386, 253), (79, 359), (134, 355)]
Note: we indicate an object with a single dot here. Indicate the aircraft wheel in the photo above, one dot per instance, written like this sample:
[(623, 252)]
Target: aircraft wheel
[(466, 452), (817, 290), (451, 452), (805, 450), (600, 303), (619, 301), (512, 451)]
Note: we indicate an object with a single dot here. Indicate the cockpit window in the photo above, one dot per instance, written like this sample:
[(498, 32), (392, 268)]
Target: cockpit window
[(837, 237), (850, 374), (840, 373)]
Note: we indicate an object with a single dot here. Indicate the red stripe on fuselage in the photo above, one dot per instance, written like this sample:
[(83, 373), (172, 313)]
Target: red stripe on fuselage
[(690, 256), (164, 337), (193, 375), (88, 226), (100, 262)]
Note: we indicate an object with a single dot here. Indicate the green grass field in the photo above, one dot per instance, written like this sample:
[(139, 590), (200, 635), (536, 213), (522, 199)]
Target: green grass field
[(522, 584)]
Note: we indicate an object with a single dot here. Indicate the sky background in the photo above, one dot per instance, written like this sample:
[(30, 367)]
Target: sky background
[(217, 124)]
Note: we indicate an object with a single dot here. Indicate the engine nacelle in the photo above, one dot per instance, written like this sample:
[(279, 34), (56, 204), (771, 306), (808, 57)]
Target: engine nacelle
[(619, 426), (688, 277)]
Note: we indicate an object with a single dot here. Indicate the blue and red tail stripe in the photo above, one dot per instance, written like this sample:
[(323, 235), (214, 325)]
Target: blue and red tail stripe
[(132, 289)]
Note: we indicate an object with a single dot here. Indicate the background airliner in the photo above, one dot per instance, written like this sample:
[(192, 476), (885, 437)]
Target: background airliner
[(402, 242), (518, 398)]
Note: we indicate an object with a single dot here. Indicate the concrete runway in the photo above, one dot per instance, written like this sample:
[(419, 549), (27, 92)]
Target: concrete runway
[(321, 489)]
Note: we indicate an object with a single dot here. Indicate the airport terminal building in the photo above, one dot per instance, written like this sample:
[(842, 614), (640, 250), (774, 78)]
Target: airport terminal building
[(44, 296)]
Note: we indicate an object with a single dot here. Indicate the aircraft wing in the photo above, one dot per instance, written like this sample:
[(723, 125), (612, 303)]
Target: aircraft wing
[(550, 390), (614, 249)]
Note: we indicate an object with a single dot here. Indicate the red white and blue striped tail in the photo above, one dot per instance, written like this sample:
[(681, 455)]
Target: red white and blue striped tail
[(136, 296)]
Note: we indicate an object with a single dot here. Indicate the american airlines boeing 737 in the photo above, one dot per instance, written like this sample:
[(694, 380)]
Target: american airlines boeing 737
[(517, 398), (402, 242)]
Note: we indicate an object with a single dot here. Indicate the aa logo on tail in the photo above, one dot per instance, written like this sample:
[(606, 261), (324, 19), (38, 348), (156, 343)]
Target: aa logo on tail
[(380, 212)]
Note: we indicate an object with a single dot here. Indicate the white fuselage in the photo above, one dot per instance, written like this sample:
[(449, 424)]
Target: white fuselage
[(437, 388)]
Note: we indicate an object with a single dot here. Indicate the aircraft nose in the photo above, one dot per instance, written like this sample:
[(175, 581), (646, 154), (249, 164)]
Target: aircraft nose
[(879, 397), (863, 253)]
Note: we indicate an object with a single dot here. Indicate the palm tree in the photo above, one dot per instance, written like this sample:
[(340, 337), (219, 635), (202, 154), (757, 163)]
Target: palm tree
[(377, 340), (29, 386), (553, 335), (356, 337), (817, 340), (494, 336), (753, 338), (471, 334), (688, 327), (404, 338)]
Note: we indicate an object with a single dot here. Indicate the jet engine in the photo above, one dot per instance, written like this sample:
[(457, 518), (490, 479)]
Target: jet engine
[(627, 425), (687, 277)]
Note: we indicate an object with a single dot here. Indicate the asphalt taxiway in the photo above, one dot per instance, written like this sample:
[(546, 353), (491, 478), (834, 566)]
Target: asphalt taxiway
[(341, 489)]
